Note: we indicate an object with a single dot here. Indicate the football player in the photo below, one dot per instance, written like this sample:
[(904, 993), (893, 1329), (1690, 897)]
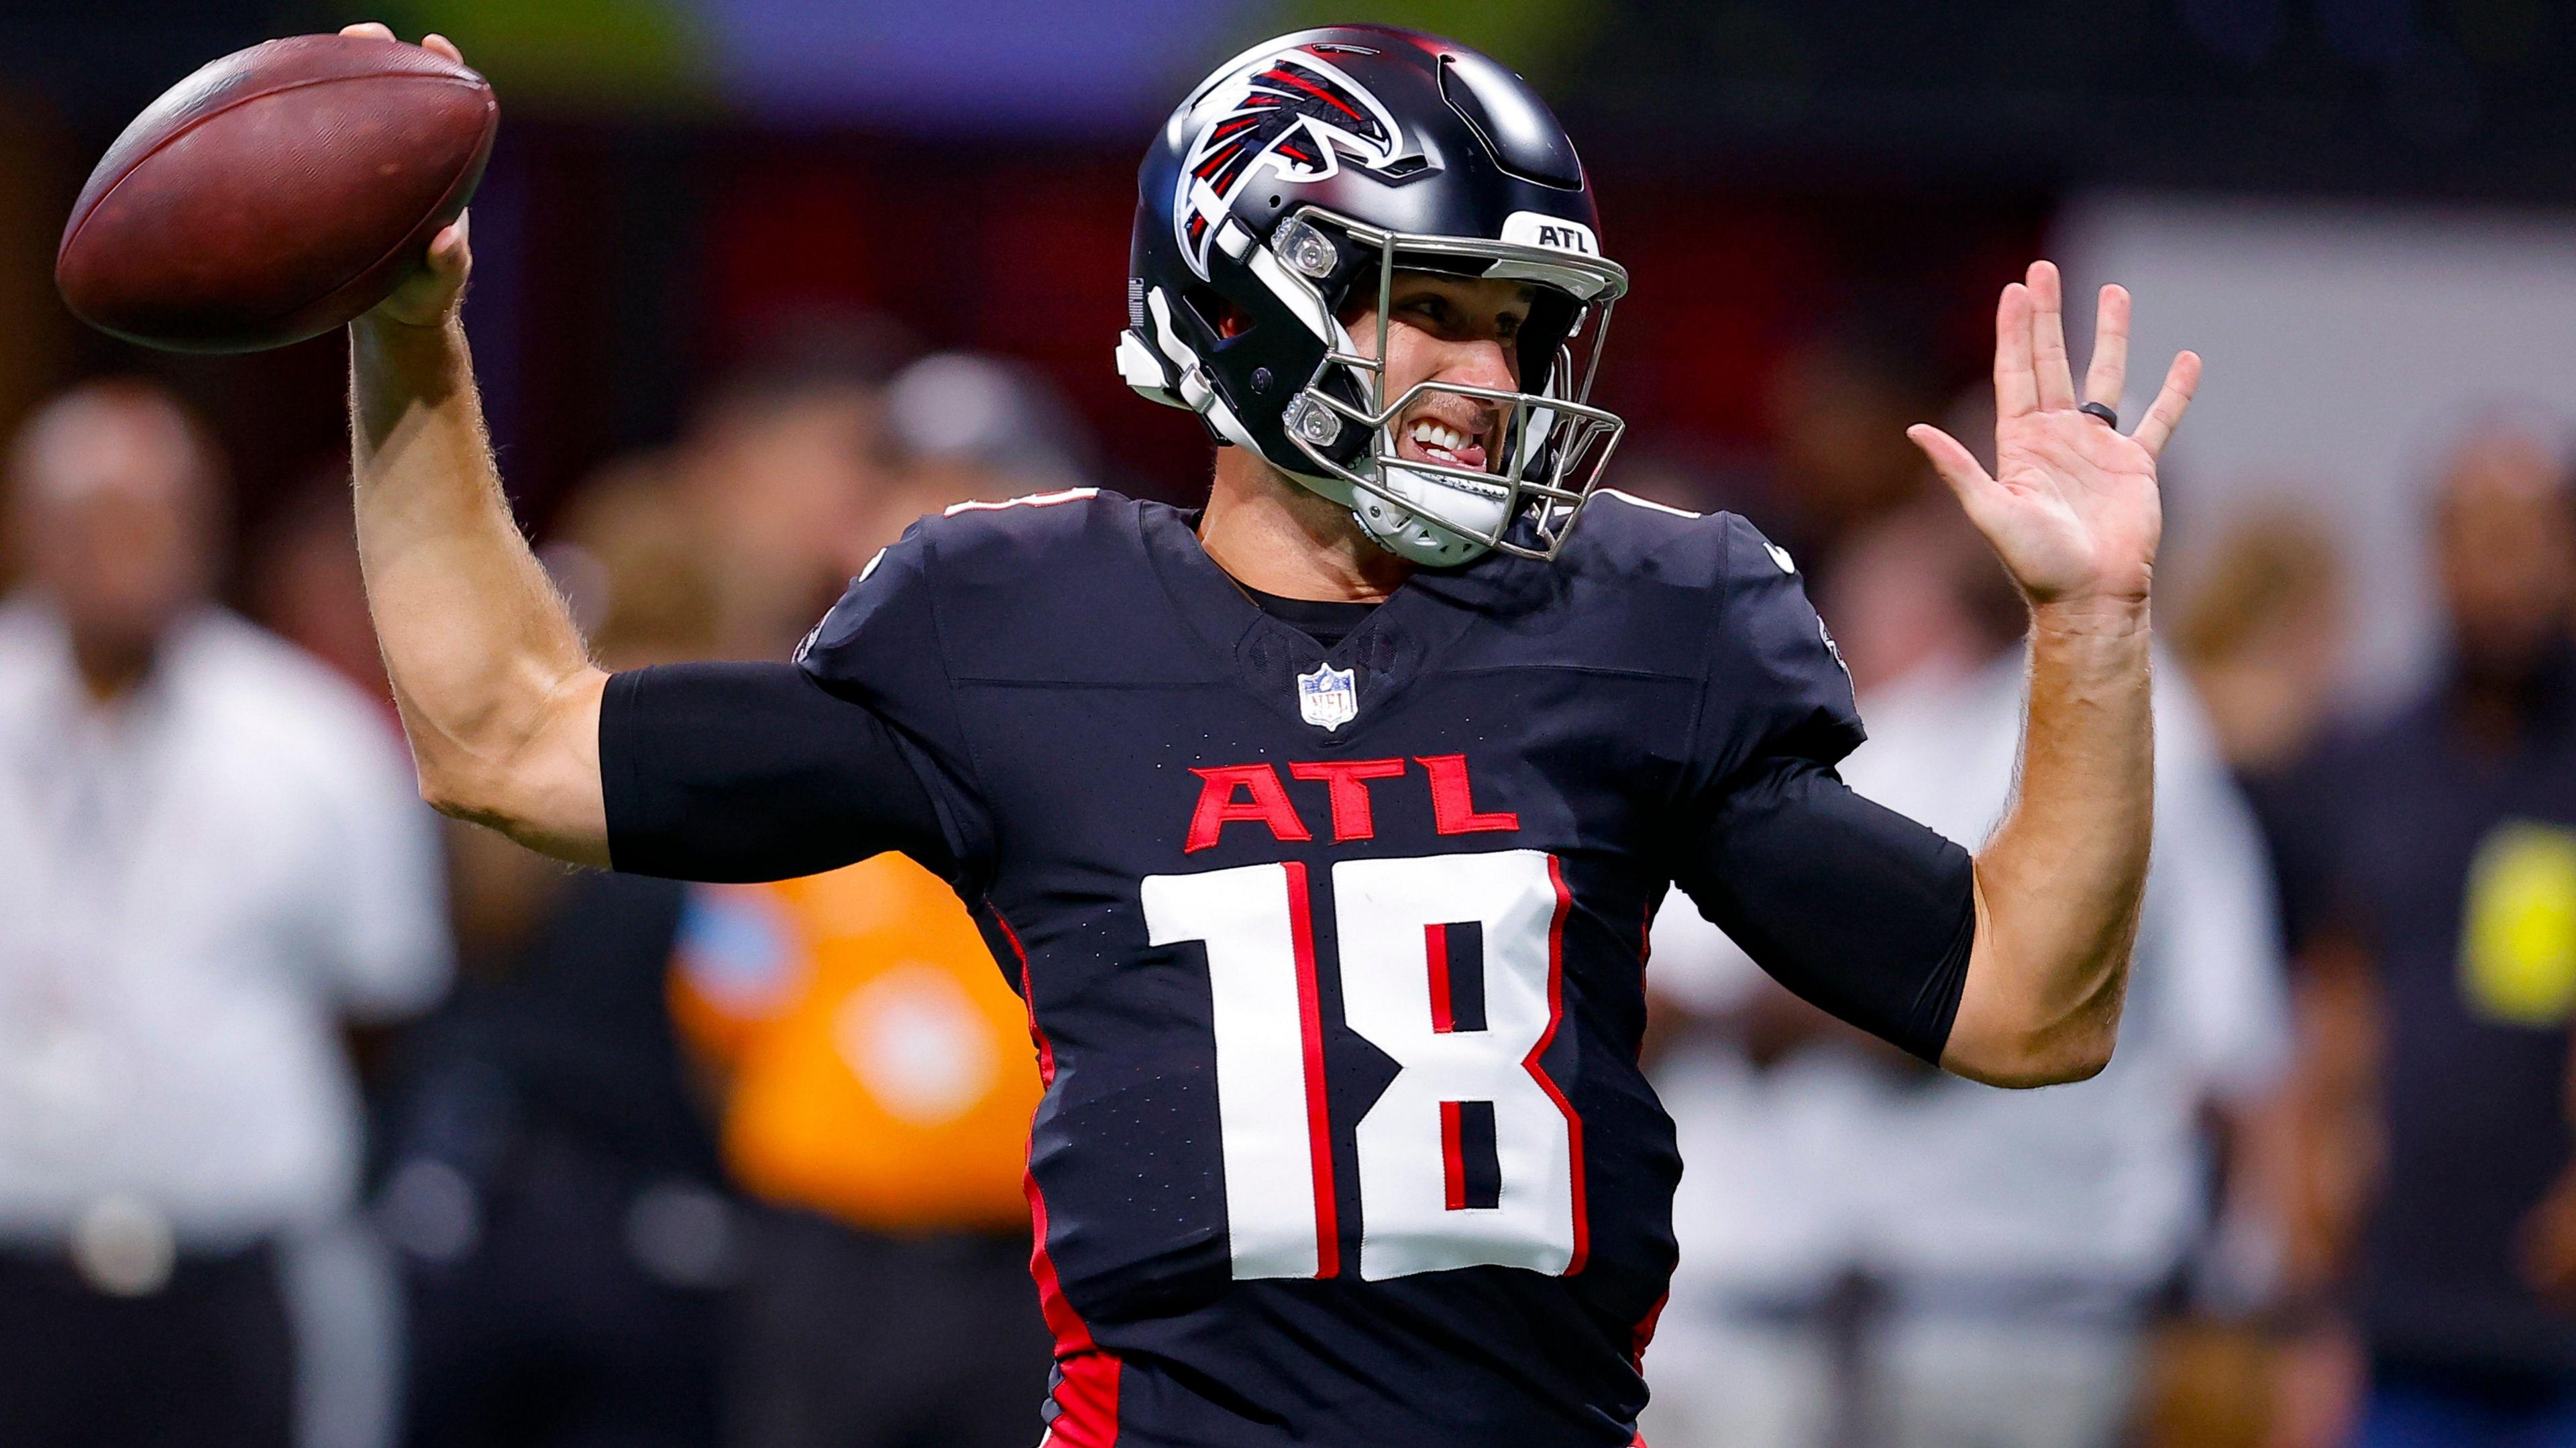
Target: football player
[(1320, 827)]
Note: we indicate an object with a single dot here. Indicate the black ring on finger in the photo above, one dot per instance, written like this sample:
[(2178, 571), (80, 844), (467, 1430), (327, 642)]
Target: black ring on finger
[(2103, 410)]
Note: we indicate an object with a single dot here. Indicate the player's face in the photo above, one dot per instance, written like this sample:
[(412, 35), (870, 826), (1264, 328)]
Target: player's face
[(1459, 330)]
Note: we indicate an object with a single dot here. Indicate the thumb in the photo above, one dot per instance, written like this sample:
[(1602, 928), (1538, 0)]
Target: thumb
[(1957, 466), (451, 250)]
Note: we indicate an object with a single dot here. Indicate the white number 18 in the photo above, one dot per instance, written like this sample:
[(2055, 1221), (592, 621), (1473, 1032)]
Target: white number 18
[(1462, 1082)]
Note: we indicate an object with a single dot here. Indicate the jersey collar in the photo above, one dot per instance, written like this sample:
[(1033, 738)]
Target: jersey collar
[(1385, 653)]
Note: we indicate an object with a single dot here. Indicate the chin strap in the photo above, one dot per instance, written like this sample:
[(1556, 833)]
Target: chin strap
[(1404, 531), (1410, 536)]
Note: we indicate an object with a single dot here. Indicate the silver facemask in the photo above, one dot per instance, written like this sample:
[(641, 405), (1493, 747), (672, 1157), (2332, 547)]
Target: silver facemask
[(1554, 445)]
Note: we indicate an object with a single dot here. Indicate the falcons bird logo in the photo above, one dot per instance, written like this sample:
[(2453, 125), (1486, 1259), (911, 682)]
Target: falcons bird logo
[(1292, 111)]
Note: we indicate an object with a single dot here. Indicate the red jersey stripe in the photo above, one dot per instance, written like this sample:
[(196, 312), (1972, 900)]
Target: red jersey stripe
[(1435, 943), (1319, 1128), (1556, 1017), (1086, 1397)]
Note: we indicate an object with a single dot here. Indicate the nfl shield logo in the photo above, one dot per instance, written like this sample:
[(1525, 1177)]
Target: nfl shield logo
[(1328, 698)]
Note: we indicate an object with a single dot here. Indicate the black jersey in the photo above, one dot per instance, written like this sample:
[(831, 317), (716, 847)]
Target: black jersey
[(1333, 956)]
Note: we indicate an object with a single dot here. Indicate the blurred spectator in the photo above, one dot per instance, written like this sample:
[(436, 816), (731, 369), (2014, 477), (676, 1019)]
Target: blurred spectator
[(877, 1068), (785, 472), (2262, 630), (2445, 881), (878, 1092), (214, 854), (1920, 601), (553, 1183), (634, 565), (1876, 1253), (2262, 633), (303, 580), (972, 426), (1838, 406)]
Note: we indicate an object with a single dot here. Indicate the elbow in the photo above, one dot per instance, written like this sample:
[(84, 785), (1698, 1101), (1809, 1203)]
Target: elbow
[(505, 773), (2021, 1049), (459, 795), (2038, 1019), (2047, 1057), (2085, 1060), (488, 787)]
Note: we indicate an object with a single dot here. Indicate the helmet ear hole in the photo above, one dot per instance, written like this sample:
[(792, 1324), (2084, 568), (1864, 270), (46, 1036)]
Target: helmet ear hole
[(1550, 322), (1222, 318)]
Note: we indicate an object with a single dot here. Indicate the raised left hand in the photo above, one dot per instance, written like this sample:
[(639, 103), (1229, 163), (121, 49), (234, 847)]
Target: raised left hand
[(2072, 505)]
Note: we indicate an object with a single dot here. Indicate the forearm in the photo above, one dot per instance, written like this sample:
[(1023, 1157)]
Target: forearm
[(2060, 882), (487, 667)]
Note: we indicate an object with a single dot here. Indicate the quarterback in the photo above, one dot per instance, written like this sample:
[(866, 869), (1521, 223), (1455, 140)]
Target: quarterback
[(1320, 827)]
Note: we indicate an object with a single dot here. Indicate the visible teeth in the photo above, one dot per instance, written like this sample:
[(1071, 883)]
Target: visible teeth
[(1434, 435)]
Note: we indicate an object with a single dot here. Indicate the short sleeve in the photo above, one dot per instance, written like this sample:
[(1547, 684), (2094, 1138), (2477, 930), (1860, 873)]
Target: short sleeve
[(1775, 683), (741, 772), (1866, 914), (1859, 911), (881, 648), (731, 773)]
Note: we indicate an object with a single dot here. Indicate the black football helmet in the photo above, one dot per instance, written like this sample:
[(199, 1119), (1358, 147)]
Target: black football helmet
[(1298, 179)]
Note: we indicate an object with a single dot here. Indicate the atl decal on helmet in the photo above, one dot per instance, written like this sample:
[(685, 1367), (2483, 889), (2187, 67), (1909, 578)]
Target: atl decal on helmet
[(1293, 114)]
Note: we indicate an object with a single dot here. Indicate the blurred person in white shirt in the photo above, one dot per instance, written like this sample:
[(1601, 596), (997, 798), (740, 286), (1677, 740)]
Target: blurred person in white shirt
[(211, 856), (2007, 1246)]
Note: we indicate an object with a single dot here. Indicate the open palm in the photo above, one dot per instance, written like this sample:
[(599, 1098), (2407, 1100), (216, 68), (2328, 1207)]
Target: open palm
[(2071, 506)]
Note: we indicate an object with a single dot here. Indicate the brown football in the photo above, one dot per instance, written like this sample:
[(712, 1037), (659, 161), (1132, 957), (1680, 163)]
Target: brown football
[(275, 194)]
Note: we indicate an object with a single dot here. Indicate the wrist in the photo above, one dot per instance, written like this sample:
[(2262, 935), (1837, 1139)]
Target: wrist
[(396, 365), (2095, 617), (381, 330)]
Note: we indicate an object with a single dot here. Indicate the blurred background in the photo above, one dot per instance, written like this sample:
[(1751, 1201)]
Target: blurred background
[(322, 1123)]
